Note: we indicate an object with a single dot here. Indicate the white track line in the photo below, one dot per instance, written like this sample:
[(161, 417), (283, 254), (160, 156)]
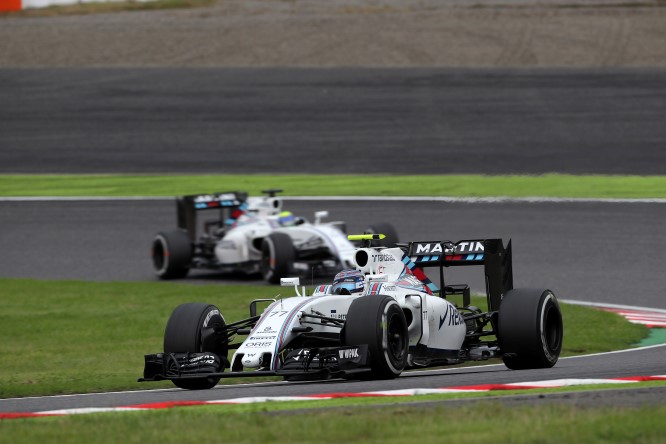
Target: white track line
[(530, 385)]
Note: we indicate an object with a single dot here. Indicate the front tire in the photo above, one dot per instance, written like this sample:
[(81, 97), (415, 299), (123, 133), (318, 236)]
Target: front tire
[(530, 329), (191, 328), (277, 255), (172, 254), (379, 322)]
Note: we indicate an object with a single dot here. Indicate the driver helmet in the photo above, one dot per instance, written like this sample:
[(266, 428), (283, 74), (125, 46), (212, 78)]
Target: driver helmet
[(286, 219), (348, 282)]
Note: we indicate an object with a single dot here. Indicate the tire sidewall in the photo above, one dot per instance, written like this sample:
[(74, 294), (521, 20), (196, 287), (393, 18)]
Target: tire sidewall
[(174, 251), (277, 254), (530, 328), (385, 361), (389, 316), (183, 334)]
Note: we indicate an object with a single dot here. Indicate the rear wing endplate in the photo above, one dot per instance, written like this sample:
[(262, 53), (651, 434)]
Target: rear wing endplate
[(188, 206)]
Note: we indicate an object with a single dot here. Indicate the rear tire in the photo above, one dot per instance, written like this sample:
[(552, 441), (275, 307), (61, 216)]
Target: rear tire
[(190, 329), (379, 322), (530, 329), (386, 229), (172, 254), (277, 255)]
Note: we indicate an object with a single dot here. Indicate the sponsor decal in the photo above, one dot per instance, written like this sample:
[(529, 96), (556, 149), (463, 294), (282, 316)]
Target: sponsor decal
[(436, 248), (453, 317), (469, 247), (336, 315), (261, 337), (303, 353), (204, 359), (257, 344), (350, 353), (431, 248), (382, 257), (214, 197), (209, 316)]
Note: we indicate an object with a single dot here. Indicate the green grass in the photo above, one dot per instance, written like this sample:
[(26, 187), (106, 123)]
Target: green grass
[(485, 422), (79, 337), (548, 185)]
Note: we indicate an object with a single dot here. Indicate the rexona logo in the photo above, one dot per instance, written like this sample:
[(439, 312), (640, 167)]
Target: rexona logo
[(349, 353)]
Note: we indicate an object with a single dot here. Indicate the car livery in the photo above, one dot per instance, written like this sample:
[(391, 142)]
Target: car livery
[(400, 319), (253, 235)]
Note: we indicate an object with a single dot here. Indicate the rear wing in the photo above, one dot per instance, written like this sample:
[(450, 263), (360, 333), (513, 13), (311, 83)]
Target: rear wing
[(491, 253), (230, 206)]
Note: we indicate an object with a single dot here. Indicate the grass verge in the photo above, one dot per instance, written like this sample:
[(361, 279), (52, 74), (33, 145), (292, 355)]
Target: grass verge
[(548, 185), (484, 422), (91, 337)]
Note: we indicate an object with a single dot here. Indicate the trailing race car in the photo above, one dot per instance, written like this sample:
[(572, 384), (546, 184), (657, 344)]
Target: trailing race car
[(254, 235), (374, 321)]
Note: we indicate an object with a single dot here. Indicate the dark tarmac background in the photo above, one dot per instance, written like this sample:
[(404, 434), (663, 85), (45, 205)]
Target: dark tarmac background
[(341, 121)]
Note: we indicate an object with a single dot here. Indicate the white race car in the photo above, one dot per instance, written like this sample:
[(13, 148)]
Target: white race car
[(254, 235), (373, 321)]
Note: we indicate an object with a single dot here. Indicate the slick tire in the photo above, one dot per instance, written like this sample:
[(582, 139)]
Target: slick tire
[(172, 254), (277, 255), (386, 229), (530, 329), (191, 328), (379, 322)]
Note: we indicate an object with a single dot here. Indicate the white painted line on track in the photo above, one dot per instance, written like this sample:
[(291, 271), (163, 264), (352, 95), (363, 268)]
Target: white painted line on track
[(443, 199), (607, 305), (326, 396)]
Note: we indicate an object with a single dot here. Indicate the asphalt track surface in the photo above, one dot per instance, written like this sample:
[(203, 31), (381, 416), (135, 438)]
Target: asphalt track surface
[(395, 121), (342, 121), (599, 252)]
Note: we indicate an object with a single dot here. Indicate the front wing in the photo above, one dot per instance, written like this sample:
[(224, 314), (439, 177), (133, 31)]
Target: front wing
[(304, 363)]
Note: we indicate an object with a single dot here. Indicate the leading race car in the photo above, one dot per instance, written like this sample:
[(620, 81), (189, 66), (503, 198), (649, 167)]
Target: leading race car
[(374, 321), (254, 235)]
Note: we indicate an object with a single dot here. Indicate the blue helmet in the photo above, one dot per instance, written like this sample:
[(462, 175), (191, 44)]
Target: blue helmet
[(348, 282)]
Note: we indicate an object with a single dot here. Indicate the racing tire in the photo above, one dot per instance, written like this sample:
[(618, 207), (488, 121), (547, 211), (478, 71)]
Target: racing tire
[(379, 322), (386, 229), (191, 329), (172, 254), (530, 329), (277, 255)]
